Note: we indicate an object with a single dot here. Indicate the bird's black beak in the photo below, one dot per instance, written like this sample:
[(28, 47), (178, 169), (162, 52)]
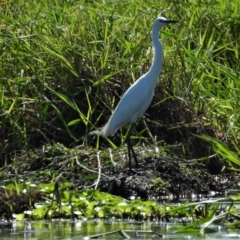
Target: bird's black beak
[(171, 21)]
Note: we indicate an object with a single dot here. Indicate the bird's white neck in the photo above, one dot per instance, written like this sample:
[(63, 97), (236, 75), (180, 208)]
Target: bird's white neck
[(157, 52)]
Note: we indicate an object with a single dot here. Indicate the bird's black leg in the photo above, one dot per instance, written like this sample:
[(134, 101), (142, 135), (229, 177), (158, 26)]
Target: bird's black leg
[(130, 149), (129, 145)]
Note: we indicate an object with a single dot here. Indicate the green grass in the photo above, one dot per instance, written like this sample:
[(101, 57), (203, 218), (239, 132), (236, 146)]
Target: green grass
[(65, 65)]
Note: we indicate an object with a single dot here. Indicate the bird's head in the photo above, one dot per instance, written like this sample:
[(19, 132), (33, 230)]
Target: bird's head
[(162, 21)]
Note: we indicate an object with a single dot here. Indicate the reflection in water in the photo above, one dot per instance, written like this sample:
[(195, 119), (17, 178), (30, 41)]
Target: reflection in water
[(72, 230)]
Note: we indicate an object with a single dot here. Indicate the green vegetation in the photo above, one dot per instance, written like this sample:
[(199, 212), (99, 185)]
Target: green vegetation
[(57, 201), (65, 65)]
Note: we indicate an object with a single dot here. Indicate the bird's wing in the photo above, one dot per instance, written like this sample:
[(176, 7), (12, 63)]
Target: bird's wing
[(134, 102)]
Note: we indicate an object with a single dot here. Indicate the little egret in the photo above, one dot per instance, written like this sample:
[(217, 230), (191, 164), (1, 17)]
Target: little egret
[(138, 97)]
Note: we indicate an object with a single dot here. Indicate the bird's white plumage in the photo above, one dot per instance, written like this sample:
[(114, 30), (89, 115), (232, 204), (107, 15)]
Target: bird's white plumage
[(134, 103), (138, 97)]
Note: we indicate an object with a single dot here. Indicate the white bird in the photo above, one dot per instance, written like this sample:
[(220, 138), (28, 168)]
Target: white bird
[(138, 97)]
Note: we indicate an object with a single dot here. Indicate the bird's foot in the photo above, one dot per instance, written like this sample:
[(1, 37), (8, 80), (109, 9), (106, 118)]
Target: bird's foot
[(132, 171), (138, 168)]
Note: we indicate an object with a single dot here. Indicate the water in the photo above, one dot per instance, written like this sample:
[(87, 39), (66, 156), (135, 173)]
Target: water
[(72, 230)]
